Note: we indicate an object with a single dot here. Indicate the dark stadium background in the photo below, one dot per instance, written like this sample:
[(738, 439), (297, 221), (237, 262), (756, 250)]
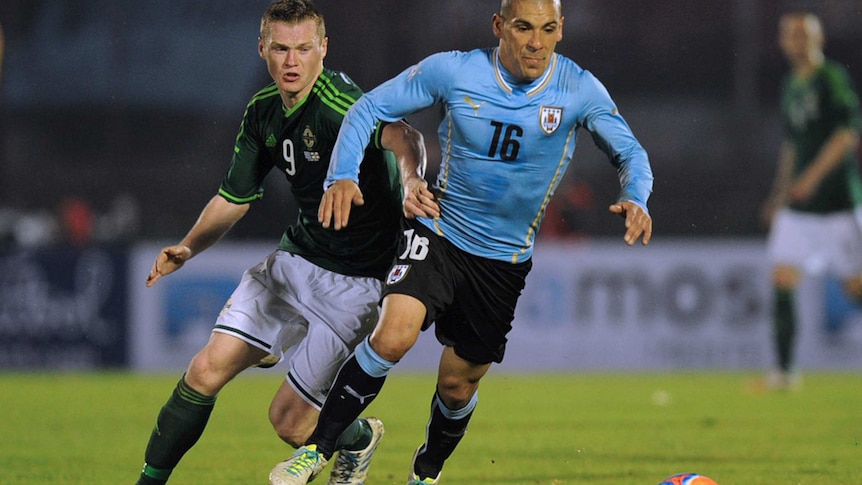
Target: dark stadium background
[(127, 111)]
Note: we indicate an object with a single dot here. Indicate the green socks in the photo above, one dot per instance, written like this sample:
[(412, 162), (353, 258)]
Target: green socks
[(785, 328), (356, 437), (180, 423)]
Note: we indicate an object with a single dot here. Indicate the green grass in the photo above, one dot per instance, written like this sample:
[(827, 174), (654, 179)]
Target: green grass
[(595, 428)]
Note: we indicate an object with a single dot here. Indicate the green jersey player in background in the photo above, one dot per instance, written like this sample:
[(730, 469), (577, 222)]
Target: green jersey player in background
[(814, 205), (291, 126)]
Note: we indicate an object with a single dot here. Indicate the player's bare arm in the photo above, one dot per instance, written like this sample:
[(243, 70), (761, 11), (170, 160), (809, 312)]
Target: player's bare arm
[(781, 183), (638, 221), (409, 147), (828, 159), (215, 221)]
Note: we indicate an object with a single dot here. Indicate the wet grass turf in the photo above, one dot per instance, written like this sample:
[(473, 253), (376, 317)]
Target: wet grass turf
[(591, 428)]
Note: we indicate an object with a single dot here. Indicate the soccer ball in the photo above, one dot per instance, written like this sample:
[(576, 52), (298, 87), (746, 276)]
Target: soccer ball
[(687, 479)]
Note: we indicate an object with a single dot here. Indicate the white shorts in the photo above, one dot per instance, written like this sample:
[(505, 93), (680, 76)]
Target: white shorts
[(286, 305), (817, 243)]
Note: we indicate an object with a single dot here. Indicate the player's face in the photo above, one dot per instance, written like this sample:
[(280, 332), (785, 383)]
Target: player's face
[(294, 56), (528, 36), (798, 38)]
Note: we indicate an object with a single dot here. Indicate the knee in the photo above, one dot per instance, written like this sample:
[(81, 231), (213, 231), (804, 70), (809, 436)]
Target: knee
[(853, 288), (456, 391), (785, 277), (292, 429), (289, 432), (389, 347), (203, 376), (398, 328)]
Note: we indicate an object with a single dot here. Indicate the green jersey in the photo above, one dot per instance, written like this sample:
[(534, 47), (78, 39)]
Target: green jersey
[(813, 109), (298, 143)]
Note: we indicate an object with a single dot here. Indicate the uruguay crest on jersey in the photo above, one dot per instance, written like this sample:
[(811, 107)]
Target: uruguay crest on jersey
[(397, 273), (550, 118)]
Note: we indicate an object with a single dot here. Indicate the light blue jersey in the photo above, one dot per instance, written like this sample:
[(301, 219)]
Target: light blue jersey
[(505, 146)]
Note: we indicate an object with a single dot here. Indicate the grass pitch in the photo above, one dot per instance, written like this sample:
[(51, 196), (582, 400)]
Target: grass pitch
[(548, 429)]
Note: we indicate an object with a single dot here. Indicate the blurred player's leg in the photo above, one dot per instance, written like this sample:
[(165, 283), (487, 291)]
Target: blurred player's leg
[(785, 329)]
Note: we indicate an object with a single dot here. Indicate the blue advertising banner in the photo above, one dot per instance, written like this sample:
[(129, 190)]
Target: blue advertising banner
[(63, 308)]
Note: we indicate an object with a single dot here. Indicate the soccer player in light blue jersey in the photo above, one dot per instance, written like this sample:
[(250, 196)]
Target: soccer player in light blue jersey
[(509, 132)]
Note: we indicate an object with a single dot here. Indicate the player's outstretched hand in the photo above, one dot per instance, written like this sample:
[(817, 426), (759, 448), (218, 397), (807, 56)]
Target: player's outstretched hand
[(638, 221), (169, 260), (418, 200), (336, 203)]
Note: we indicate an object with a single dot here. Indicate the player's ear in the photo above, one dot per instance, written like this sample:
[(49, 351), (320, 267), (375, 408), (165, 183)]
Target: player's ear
[(260, 48), (497, 25)]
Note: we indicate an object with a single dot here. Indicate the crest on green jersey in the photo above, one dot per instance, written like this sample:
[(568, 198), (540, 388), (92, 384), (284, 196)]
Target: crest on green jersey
[(309, 138)]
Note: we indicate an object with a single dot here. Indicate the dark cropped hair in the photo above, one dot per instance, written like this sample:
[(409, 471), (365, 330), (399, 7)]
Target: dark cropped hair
[(506, 7)]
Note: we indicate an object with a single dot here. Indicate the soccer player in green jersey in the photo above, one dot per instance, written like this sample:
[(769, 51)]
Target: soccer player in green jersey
[(814, 206), (318, 292)]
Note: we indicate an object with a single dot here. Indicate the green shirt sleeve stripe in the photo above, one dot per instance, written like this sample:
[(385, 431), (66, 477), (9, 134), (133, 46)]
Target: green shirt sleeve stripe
[(329, 85), (239, 200), (333, 97), (378, 135), (334, 103)]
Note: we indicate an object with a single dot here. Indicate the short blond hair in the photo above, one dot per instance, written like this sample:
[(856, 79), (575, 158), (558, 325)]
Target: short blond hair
[(292, 12)]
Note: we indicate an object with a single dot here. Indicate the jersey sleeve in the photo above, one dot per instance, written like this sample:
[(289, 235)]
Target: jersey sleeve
[(843, 100), (614, 137), (784, 100), (377, 136), (416, 88), (243, 181)]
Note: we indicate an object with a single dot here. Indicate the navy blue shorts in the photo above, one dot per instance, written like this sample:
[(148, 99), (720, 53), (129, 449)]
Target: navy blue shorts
[(469, 299)]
